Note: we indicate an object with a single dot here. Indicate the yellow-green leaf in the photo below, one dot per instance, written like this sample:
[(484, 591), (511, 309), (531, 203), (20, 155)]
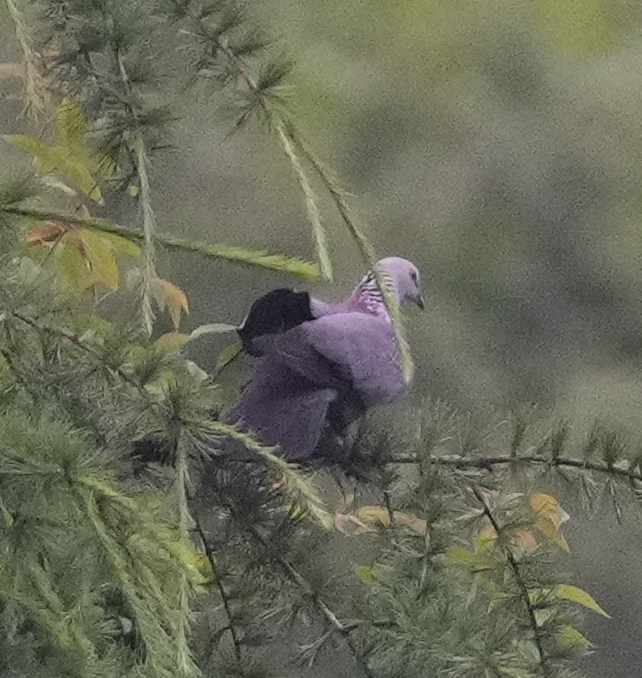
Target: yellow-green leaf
[(173, 341), (569, 636), (459, 554), (511, 671), (75, 167), (475, 561), (27, 143), (6, 514), (548, 508), (91, 323), (543, 615), (578, 595), (366, 573), (227, 355), (100, 254), (70, 126), (69, 156), (549, 531), (212, 328), (549, 518), (204, 566), (485, 539), (197, 372), (122, 245), (73, 267)]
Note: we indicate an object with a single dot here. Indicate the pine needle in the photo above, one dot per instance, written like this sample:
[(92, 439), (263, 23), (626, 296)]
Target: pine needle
[(311, 201), (296, 487)]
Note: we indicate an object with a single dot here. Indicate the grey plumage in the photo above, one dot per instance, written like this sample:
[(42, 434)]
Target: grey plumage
[(322, 374)]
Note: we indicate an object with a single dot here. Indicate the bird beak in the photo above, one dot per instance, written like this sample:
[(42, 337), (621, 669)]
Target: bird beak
[(420, 301)]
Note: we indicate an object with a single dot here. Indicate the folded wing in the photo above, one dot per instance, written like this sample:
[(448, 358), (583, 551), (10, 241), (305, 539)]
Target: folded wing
[(319, 374)]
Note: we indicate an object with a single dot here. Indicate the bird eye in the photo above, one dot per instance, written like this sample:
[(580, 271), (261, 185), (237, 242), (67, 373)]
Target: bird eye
[(413, 276)]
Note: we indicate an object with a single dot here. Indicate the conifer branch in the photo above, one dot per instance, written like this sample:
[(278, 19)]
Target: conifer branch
[(519, 580), (277, 123), (79, 343), (340, 199), (34, 95), (311, 202), (239, 255), (184, 657), (627, 471), (294, 483), (149, 236), (326, 611), (148, 220), (157, 638)]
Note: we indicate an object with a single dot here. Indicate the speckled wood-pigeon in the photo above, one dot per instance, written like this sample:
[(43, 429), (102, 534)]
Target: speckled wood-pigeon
[(320, 365)]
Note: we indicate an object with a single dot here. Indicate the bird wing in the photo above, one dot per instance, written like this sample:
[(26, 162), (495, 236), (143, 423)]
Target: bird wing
[(281, 408), (273, 313), (352, 353), (320, 374)]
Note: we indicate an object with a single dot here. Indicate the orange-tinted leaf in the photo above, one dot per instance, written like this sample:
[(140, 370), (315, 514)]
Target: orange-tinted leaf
[(548, 508), (411, 521), (525, 538), (368, 518), (45, 232), (348, 523), (171, 297), (549, 518)]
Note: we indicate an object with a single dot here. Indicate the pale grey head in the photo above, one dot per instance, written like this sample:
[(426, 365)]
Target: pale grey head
[(403, 279)]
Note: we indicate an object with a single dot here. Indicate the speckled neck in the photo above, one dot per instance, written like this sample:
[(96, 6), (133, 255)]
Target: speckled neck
[(369, 298)]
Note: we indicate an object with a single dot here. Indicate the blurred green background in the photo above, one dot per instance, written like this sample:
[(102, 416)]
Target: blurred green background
[(499, 146)]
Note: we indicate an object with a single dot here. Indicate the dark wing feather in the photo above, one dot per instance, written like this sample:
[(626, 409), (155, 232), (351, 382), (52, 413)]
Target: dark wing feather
[(273, 313)]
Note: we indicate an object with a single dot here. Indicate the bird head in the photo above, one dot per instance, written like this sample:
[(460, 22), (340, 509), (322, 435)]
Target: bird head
[(403, 279)]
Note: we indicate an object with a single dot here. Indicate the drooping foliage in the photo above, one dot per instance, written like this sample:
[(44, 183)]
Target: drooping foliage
[(131, 544)]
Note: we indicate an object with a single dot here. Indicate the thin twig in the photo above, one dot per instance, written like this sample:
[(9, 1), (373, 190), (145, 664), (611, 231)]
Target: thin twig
[(238, 255), (148, 220), (219, 584), (77, 341), (295, 576), (514, 566), (486, 463)]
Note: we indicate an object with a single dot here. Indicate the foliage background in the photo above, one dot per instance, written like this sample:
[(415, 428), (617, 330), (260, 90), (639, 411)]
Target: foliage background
[(497, 145)]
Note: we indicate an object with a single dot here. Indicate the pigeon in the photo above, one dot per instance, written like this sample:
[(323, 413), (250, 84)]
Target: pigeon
[(321, 366)]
